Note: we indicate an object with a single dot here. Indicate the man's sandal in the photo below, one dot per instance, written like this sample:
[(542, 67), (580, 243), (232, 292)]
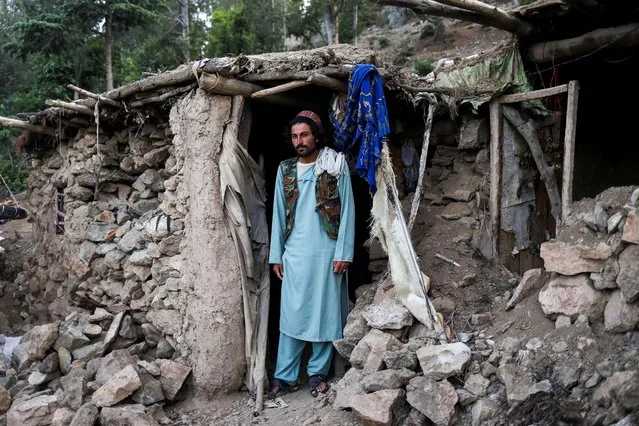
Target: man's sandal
[(279, 388), (318, 385)]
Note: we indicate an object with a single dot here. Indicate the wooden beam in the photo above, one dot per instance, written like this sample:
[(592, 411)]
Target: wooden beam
[(507, 21), (220, 85), (24, 125), (528, 131), (511, 23), (328, 82), (625, 36), (496, 135), (535, 94), (181, 75), (70, 106), (163, 97), (91, 95), (569, 146), (279, 89)]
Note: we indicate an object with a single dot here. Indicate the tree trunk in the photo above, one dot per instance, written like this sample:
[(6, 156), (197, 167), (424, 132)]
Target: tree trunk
[(108, 49), (331, 24), (355, 23), (184, 24)]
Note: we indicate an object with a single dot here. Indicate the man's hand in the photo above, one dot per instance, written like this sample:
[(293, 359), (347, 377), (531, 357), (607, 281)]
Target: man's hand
[(339, 266), (278, 268)]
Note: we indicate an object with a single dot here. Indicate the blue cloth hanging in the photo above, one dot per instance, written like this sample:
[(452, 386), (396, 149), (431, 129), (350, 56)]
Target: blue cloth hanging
[(365, 120)]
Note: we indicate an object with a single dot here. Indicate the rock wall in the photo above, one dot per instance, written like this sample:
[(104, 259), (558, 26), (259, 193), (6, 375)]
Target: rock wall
[(147, 240), (595, 262)]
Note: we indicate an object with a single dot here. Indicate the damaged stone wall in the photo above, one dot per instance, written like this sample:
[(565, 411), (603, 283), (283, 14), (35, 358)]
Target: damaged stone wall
[(595, 261), (126, 250)]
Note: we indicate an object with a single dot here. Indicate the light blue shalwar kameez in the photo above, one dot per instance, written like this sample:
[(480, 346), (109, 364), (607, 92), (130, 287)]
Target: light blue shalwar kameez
[(314, 302)]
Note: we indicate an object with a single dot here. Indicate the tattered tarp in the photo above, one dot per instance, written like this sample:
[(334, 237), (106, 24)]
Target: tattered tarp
[(479, 78), (244, 194)]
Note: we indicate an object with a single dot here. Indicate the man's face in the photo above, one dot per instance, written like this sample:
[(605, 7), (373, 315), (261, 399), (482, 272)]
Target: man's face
[(303, 140)]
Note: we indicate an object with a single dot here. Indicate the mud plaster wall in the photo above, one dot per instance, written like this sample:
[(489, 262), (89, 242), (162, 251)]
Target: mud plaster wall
[(214, 326), (153, 243)]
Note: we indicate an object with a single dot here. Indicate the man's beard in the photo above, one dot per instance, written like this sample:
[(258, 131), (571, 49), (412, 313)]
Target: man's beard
[(304, 151)]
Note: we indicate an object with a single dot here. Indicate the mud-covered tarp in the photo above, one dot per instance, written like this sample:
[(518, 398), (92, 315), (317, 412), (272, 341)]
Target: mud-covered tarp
[(479, 78)]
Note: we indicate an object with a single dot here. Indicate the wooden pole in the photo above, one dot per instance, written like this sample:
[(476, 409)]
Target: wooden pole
[(496, 127), (70, 106), (528, 131), (328, 82), (569, 147), (24, 125), (91, 95), (279, 89)]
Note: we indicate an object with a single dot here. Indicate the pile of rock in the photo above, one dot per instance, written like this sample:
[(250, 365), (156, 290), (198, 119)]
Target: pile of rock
[(90, 367), (595, 261), (403, 374)]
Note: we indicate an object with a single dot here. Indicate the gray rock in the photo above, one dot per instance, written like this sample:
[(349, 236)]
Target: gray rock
[(388, 313), (75, 387), (477, 384), (36, 378), (345, 347), (127, 329), (151, 334), (613, 222), (113, 330), (36, 411), (141, 257), (532, 280), (562, 321), (571, 296), (124, 415), (112, 364), (150, 392), (113, 259), (88, 352), (169, 321), (100, 314), (34, 344), (435, 400), (131, 240), (377, 408), (607, 279), (87, 252), (86, 415), (151, 368), (622, 387), (118, 387), (143, 206), (102, 249), (349, 386), (485, 409), (473, 134), (100, 232), (369, 352), (620, 316), (442, 361), (628, 277), (92, 330), (62, 417), (49, 364), (402, 358), (64, 360), (569, 259), (172, 376), (567, 374), (387, 379)]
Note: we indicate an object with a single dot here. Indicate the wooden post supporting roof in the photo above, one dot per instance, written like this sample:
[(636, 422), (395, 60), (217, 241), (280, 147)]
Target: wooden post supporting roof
[(569, 147), (496, 136)]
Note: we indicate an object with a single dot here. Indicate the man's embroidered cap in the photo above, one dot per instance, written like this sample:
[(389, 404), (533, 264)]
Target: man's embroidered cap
[(310, 114)]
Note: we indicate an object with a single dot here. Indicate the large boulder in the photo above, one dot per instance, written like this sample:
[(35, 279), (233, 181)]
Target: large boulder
[(571, 296)]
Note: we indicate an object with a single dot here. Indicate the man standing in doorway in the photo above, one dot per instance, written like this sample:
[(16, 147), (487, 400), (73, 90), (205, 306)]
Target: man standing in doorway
[(311, 249)]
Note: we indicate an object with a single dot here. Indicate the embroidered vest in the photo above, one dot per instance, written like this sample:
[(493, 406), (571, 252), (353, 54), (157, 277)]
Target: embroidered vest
[(328, 205)]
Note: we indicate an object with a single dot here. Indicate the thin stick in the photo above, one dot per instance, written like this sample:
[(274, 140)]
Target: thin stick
[(446, 259), (70, 106), (328, 82), (19, 124), (422, 166), (281, 88), (163, 97), (91, 95), (569, 147)]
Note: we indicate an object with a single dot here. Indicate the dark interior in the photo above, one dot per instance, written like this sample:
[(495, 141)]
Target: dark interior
[(605, 146)]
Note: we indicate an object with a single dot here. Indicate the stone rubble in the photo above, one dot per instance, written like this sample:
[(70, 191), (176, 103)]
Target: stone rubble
[(52, 380)]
